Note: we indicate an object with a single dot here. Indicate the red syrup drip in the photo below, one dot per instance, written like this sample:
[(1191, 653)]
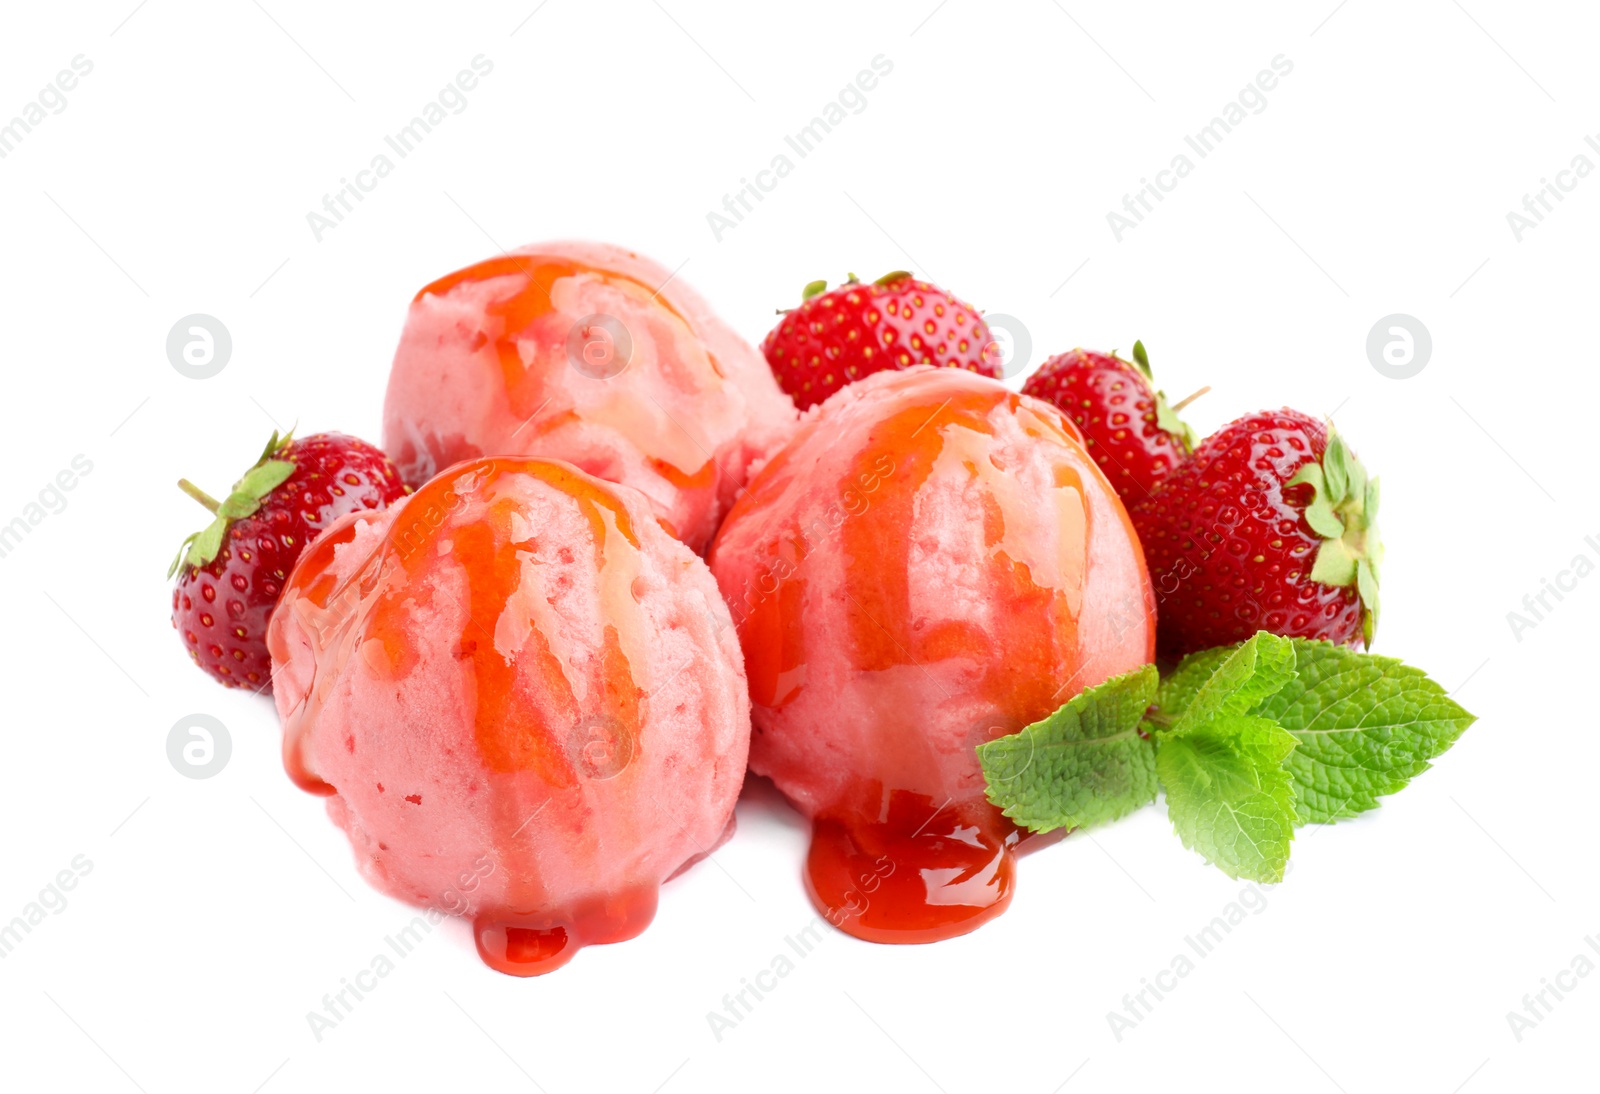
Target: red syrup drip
[(535, 943), (917, 874)]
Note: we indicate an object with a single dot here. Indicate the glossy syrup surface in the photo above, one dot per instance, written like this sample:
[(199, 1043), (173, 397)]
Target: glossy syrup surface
[(534, 298), (524, 706), (916, 872), (589, 354), (905, 847)]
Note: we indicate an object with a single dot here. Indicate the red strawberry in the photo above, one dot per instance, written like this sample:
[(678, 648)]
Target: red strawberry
[(1270, 525), (834, 338), (1131, 432), (234, 570)]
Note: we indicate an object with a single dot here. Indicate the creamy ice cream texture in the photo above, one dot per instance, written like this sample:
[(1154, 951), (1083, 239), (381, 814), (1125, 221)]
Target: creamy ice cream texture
[(931, 562), (515, 679), (592, 354)]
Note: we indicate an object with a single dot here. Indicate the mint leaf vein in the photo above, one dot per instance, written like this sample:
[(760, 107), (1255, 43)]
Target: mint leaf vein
[(1085, 764)]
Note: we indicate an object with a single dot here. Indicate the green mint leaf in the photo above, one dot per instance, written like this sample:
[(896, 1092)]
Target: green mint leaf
[(1365, 727), (1085, 764), (1178, 687), (1228, 793), (1251, 672)]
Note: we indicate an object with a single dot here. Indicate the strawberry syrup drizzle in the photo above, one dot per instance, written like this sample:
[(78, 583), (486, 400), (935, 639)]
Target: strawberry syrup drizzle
[(915, 872), (525, 313), (528, 932), (932, 859)]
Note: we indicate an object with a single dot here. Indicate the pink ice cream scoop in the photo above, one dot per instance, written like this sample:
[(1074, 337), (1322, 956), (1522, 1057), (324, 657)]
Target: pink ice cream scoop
[(591, 354), (933, 561), (523, 699)]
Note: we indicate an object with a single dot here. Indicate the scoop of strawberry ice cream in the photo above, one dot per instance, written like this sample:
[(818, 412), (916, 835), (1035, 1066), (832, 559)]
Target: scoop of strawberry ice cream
[(931, 562), (523, 699), (592, 354)]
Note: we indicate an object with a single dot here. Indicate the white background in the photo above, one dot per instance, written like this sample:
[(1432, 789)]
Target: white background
[(1376, 181)]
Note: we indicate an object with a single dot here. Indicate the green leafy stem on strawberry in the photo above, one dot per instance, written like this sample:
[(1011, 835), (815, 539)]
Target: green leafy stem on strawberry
[(817, 288), (1167, 413), (1344, 512), (244, 499), (1248, 742)]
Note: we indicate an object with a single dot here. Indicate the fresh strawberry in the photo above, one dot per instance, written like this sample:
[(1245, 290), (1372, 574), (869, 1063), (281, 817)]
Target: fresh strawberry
[(834, 338), (1131, 432), (233, 571), (1270, 525)]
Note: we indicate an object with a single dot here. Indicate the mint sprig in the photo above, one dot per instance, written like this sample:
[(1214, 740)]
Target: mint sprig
[(1228, 794), (1084, 765), (1364, 725), (1251, 672), (1248, 742)]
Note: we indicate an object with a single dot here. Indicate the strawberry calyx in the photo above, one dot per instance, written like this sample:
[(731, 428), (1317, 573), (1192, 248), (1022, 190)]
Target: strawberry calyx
[(1344, 511), (1166, 414), (266, 475), (817, 288), (812, 289)]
